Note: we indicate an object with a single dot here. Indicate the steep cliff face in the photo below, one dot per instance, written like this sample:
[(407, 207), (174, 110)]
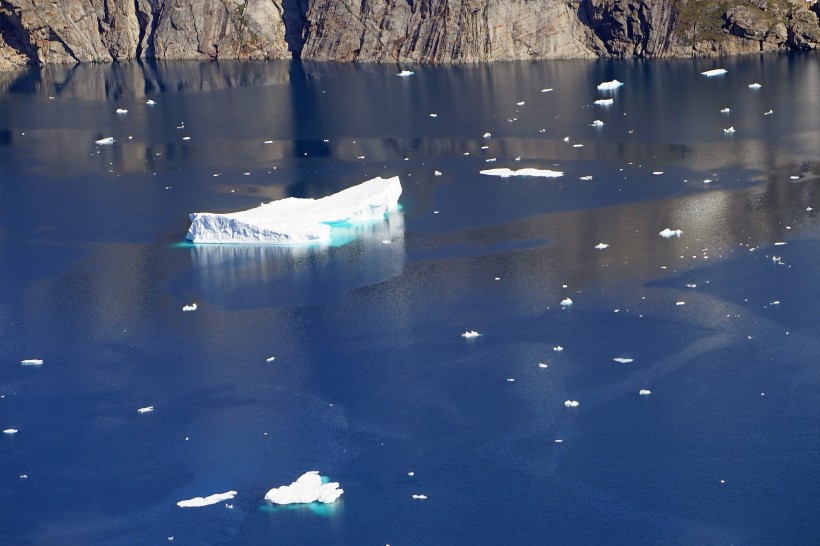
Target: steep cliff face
[(429, 31)]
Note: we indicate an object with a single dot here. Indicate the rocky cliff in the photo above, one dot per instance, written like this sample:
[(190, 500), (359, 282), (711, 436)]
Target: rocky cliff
[(428, 31)]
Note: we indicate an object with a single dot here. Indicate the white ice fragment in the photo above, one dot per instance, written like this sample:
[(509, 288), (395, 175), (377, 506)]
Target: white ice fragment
[(150, 102), (780, 243), (691, 286), (680, 303), (725, 110), (557, 348), (559, 441), (755, 86), (105, 141), (122, 111), (597, 123), (566, 139), (606, 86), (510, 380), (487, 135), (186, 138), (520, 103), (729, 130), (298, 221), (714, 72), (419, 497), (775, 302), (32, 362), (587, 177), (644, 392), (794, 177), (546, 90), (769, 113), (10, 431), (270, 359), (433, 115), (199, 502), (622, 360), (669, 233), (268, 142), (601, 246), (307, 488), (657, 173), (147, 409), (505, 173), (577, 145), (572, 403), (604, 102), (436, 173), (543, 365), (405, 73), (490, 160), (566, 302), (188, 308), (470, 334)]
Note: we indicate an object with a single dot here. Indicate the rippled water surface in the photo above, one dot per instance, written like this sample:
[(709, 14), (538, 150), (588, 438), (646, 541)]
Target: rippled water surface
[(372, 379)]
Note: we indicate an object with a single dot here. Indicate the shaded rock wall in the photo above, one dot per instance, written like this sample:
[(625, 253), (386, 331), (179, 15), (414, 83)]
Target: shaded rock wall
[(429, 31)]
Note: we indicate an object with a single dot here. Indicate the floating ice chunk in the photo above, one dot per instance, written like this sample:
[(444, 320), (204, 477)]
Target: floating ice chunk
[(669, 233), (419, 497), (607, 86), (510, 380), (691, 286), (433, 115), (10, 431), (487, 135), (601, 246), (572, 403), (520, 103), (769, 113), (546, 90), (436, 173), (122, 111), (644, 392), (470, 334), (188, 308), (105, 141), (150, 102), (566, 139), (714, 72), (621, 360), (597, 123), (270, 359), (307, 488), (566, 302), (198, 502), (32, 362), (147, 409), (657, 173), (780, 243), (405, 73), (755, 86), (577, 145), (557, 348), (604, 102), (543, 365), (505, 173), (587, 177), (680, 303), (725, 110), (729, 130), (298, 221), (186, 138)]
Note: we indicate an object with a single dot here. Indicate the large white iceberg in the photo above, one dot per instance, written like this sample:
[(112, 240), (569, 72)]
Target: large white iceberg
[(307, 488), (198, 502), (504, 173), (297, 221)]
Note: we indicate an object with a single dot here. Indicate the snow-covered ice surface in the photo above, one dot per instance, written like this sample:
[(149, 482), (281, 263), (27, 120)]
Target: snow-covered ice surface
[(32, 362), (608, 86), (298, 221), (199, 502), (505, 172), (309, 487), (470, 334), (668, 233)]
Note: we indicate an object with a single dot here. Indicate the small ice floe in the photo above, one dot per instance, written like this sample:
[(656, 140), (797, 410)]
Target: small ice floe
[(669, 233), (725, 110), (308, 488), (270, 359), (486, 135), (105, 141), (714, 72), (769, 113), (436, 173), (680, 303), (543, 365), (775, 302), (510, 380), (419, 497), (505, 173), (557, 348), (405, 73), (546, 90), (691, 286), (150, 102), (729, 130), (198, 502), (188, 308), (657, 173), (644, 392), (469, 334), (32, 362), (146, 409), (10, 431), (559, 441), (433, 115), (755, 86), (587, 177), (186, 138), (622, 360), (607, 86), (577, 145), (604, 102), (122, 111), (520, 103), (780, 243), (601, 246), (572, 403), (268, 142), (411, 474), (566, 302), (490, 160), (794, 177), (597, 123), (566, 139)]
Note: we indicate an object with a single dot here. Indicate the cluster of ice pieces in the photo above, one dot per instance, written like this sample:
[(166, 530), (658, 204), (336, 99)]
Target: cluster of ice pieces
[(307, 488), (505, 173), (298, 221)]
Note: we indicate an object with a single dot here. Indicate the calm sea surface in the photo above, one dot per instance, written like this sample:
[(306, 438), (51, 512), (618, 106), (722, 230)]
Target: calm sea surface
[(372, 380)]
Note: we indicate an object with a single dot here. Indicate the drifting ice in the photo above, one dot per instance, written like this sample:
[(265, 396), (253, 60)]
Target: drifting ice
[(644, 392), (668, 233), (199, 502), (405, 73), (505, 173), (104, 141), (10, 431), (470, 334), (601, 246), (32, 362), (621, 360), (298, 221), (755, 85), (729, 130), (606, 86), (147, 409), (604, 102), (188, 308), (566, 302), (308, 488), (597, 123), (572, 403), (714, 72)]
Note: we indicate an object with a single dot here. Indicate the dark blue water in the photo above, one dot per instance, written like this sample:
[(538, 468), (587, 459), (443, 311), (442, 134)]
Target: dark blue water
[(372, 379)]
